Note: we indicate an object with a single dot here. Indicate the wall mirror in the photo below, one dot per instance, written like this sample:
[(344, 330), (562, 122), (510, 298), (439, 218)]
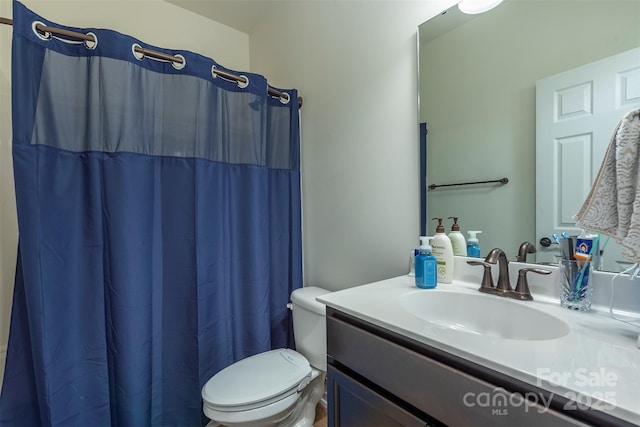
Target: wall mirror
[(477, 85)]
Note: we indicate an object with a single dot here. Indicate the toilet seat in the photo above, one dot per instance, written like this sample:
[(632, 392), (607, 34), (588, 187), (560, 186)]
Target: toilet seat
[(257, 381)]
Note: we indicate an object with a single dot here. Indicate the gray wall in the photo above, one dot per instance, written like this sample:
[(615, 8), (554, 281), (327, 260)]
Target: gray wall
[(477, 96)]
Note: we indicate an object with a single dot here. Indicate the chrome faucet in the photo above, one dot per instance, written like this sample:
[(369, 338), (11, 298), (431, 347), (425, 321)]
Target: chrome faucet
[(525, 248), (498, 256)]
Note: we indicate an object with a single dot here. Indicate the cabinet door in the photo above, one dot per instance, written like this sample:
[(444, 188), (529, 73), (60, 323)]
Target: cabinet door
[(434, 388), (352, 404)]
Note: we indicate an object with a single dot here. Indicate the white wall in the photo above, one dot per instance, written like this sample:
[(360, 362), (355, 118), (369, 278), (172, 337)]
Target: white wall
[(152, 21), (354, 63)]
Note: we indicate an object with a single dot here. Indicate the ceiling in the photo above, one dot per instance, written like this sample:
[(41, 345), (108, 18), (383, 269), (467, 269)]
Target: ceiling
[(239, 14)]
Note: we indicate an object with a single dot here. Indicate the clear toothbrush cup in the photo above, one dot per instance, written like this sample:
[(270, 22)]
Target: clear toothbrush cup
[(575, 286), (412, 264)]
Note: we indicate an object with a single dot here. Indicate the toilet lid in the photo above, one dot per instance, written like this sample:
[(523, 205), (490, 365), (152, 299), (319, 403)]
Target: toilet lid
[(256, 379)]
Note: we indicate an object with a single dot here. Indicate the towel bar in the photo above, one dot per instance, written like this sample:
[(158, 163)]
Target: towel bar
[(501, 181)]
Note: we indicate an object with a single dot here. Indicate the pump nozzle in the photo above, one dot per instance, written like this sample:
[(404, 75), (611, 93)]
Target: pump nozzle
[(455, 226), (425, 242), (472, 236), (440, 227)]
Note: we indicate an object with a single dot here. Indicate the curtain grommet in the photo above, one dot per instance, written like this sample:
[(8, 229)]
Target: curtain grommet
[(285, 98), (243, 84), (213, 72), (45, 35), (91, 44), (179, 65), (138, 55)]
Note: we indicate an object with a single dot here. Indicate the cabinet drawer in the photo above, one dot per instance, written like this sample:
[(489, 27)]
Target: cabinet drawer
[(353, 404), (447, 394)]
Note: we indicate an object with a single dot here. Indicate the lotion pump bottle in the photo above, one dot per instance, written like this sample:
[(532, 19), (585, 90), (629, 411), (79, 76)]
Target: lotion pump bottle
[(443, 252), (473, 247), (426, 266), (458, 242)]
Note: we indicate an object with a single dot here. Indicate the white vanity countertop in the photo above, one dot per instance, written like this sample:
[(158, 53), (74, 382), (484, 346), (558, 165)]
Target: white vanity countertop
[(597, 363)]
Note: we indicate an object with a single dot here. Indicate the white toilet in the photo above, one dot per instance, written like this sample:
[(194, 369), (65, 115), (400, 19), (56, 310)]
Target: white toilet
[(278, 387)]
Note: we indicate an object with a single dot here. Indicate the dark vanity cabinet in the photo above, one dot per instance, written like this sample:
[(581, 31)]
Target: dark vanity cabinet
[(380, 378), (356, 404)]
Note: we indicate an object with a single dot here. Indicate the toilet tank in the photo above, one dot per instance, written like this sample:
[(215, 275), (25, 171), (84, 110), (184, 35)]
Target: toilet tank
[(309, 325)]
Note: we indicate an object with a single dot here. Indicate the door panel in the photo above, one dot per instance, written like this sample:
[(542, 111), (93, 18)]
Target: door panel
[(576, 114)]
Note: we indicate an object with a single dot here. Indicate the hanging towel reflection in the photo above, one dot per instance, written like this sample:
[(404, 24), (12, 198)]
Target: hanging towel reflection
[(612, 207)]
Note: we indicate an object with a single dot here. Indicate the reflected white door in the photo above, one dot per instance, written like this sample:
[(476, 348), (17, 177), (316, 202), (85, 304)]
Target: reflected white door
[(576, 114)]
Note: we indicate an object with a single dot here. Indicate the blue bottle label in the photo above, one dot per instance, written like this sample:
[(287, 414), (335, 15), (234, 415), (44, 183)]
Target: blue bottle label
[(426, 276), (473, 251)]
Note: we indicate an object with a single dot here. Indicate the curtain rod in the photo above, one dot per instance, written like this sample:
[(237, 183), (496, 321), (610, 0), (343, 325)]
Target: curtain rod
[(147, 52)]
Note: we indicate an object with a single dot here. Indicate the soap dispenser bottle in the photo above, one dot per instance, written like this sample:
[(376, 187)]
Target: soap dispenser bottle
[(443, 251), (426, 266), (458, 242), (473, 247)]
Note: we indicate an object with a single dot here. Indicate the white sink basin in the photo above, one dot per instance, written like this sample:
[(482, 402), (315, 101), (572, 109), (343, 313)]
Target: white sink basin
[(480, 314)]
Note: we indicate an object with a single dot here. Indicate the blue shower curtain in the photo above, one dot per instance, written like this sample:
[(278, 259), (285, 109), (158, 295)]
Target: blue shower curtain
[(159, 229)]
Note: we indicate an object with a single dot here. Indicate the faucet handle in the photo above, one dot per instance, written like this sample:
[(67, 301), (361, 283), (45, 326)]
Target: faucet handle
[(487, 285), (524, 249), (522, 287)]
